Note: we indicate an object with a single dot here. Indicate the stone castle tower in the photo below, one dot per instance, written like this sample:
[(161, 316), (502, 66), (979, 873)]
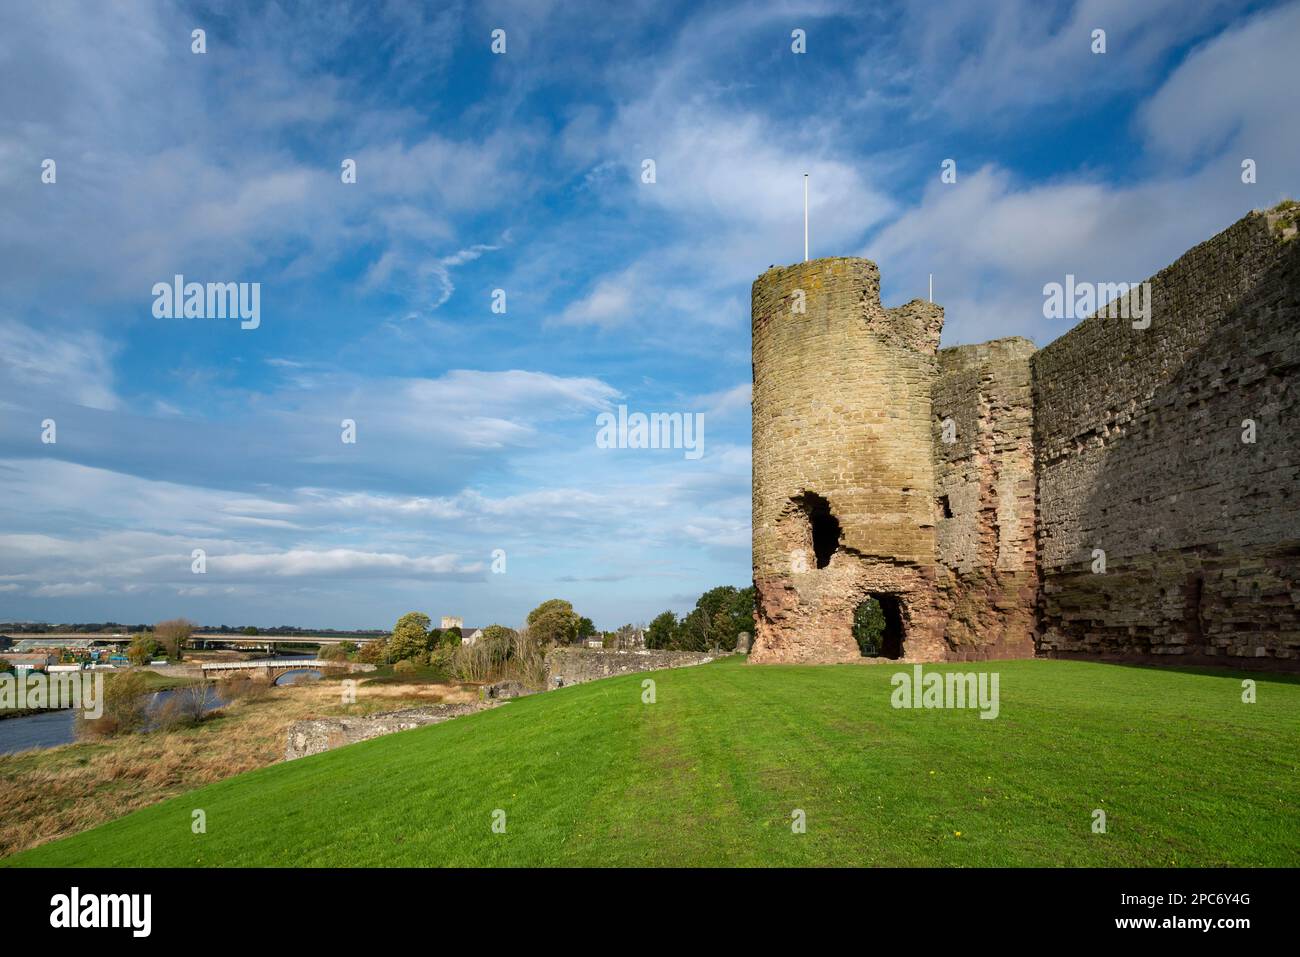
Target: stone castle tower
[(969, 490)]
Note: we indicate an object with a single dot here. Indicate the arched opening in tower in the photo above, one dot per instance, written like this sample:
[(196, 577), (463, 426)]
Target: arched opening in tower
[(878, 627), (822, 524)]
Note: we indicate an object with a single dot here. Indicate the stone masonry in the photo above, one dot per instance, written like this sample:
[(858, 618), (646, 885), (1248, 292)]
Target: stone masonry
[(970, 490), (570, 666), (324, 734), (1141, 457), (843, 468)]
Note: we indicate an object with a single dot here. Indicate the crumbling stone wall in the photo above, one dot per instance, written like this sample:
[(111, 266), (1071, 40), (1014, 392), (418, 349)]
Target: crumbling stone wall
[(1139, 435), (984, 483), (843, 471), (571, 666), (323, 734)]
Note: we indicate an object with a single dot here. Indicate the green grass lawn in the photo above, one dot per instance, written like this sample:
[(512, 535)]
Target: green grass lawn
[(710, 774)]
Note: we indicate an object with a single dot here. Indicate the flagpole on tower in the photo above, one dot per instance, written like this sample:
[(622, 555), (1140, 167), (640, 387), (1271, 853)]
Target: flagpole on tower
[(805, 217)]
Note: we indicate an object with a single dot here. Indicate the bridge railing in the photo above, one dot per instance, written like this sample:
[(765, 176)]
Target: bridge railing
[(256, 663)]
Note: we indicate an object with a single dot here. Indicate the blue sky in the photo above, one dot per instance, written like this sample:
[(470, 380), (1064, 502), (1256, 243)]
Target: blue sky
[(476, 431)]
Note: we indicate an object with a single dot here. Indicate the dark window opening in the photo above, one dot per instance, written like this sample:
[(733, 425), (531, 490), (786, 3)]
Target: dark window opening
[(825, 527), (944, 507), (878, 627)]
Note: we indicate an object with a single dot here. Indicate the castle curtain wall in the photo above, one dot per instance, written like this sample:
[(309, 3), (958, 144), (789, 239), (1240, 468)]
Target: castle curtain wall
[(1141, 460), (984, 479)]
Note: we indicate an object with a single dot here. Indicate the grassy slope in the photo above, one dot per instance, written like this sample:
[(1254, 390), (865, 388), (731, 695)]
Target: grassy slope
[(1187, 774)]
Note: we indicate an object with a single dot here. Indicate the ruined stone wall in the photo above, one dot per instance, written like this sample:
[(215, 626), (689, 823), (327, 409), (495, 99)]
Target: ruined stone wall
[(1139, 434), (984, 480), (841, 420), (324, 734), (571, 666)]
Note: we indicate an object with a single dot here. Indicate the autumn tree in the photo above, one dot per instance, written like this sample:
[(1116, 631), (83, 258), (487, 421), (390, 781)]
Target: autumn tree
[(143, 648), (553, 622), (410, 637), (172, 634)]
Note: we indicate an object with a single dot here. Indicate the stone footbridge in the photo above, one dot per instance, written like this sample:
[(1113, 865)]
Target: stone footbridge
[(274, 668)]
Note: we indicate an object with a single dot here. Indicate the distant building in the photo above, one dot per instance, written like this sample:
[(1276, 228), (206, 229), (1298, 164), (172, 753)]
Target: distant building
[(452, 621), (29, 662), (595, 642), (74, 645), (470, 637)]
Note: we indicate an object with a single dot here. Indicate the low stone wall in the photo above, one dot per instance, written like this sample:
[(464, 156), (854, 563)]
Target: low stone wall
[(572, 666), (564, 666), (323, 734), (505, 690)]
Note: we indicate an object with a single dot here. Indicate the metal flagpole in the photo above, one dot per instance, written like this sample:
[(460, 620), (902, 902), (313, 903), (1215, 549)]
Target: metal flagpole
[(805, 217)]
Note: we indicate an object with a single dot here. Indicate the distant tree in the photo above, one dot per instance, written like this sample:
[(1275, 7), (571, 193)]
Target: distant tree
[(6, 666), (174, 633), (586, 629), (498, 634), (192, 700), (250, 630), (719, 616), (662, 631), (144, 648), (410, 637), (713, 623), (694, 631), (339, 651), (374, 652), (869, 627), (719, 630), (553, 622), (625, 637), (448, 638), (743, 609), (125, 709)]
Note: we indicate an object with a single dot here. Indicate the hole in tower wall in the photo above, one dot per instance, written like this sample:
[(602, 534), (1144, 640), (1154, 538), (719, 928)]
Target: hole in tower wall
[(878, 627), (945, 507), (823, 527)]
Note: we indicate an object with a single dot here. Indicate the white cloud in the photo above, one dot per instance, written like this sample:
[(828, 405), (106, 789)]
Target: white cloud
[(335, 562), (610, 302), (69, 589), (77, 366), (985, 64), (1211, 105)]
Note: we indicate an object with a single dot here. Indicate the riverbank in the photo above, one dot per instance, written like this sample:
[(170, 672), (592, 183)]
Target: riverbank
[(64, 790), (155, 681)]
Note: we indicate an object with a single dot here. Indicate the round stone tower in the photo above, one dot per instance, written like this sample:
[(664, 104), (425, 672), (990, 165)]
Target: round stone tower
[(844, 477)]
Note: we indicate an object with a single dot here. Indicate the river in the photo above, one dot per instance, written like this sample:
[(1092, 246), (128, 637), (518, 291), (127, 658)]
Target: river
[(53, 728)]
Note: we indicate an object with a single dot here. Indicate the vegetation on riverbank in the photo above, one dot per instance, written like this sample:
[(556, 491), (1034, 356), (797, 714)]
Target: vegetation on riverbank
[(60, 791)]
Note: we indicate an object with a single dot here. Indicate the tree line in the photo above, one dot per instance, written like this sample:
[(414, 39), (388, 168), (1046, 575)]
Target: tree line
[(718, 618)]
